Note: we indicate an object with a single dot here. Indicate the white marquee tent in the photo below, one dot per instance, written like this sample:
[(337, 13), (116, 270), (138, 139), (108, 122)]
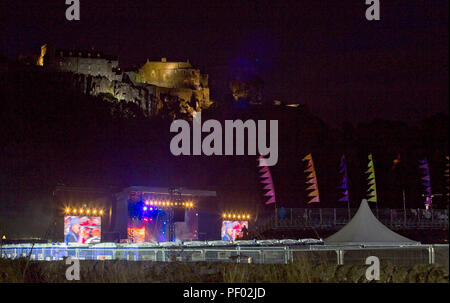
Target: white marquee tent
[(365, 229)]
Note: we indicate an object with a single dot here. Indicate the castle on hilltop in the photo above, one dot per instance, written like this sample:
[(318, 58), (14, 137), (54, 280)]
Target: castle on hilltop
[(155, 87)]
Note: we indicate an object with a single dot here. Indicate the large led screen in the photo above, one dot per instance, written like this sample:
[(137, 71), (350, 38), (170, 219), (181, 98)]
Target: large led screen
[(82, 229), (232, 230)]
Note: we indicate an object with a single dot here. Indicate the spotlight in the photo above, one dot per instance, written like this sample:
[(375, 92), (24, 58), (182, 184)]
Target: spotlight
[(88, 211), (248, 216), (74, 211), (145, 208), (95, 211), (224, 215), (151, 208), (101, 212), (67, 210), (81, 211), (239, 216), (234, 216)]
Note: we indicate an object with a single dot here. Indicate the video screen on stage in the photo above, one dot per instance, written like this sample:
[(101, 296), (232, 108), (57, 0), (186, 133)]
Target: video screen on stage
[(136, 234), (232, 230), (82, 229)]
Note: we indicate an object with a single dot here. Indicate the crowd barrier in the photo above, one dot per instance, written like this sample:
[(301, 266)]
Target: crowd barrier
[(275, 252)]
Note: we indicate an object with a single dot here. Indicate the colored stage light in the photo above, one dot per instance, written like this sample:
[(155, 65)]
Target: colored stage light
[(224, 215), (145, 208), (81, 210), (239, 216), (94, 212), (146, 219), (248, 216), (151, 208), (88, 211), (67, 210), (101, 212), (74, 211)]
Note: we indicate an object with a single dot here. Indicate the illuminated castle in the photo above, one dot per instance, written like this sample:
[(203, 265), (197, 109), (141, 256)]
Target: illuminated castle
[(93, 63), (155, 87), (176, 79)]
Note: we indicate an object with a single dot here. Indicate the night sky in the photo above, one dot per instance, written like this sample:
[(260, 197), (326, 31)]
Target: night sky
[(321, 53)]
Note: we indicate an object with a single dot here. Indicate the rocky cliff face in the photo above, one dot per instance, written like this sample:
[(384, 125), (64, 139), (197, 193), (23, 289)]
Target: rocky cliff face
[(151, 99), (143, 95)]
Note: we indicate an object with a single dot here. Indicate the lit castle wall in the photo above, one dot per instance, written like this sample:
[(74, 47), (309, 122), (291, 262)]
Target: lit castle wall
[(92, 62), (156, 87), (177, 79)]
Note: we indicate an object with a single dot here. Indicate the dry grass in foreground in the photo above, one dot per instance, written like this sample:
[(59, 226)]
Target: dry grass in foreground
[(116, 271)]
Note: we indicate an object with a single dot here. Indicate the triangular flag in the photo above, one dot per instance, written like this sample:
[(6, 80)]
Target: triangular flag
[(267, 181), (370, 170), (269, 193), (271, 200), (311, 181), (342, 186), (264, 169), (266, 175), (313, 193), (372, 193), (268, 186), (307, 157), (311, 187), (309, 169), (426, 178), (311, 175), (315, 199)]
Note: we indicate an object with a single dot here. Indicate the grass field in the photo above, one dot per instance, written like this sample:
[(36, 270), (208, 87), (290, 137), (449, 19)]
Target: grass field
[(302, 270)]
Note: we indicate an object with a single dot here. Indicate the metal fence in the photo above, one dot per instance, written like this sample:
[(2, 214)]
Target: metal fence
[(338, 217), (405, 255)]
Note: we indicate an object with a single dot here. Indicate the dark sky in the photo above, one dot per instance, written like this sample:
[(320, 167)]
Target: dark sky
[(322, 53)]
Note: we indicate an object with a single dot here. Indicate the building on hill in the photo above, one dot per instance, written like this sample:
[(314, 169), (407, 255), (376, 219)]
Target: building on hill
[(176, 79), (172, 88), (87, 62)]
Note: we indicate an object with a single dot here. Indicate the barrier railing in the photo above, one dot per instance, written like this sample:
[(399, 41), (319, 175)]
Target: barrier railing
[(404, 255), (337, 217)]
